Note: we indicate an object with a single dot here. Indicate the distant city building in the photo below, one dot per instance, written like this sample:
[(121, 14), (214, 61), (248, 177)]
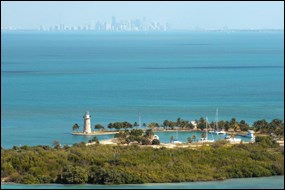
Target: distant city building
[(134, 25)]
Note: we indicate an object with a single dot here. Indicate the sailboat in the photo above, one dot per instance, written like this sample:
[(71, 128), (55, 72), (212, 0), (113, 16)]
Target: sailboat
[(217, 131), (206, 139)]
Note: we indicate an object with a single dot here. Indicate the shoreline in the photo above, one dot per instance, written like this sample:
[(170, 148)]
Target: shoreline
[(114, 142), (94, 133), (68, 184)]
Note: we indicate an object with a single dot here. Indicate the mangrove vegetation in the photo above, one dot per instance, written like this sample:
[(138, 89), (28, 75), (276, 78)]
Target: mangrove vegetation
[(107, 164)]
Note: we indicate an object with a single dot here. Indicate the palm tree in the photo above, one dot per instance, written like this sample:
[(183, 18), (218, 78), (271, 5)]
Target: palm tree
[(153, 125), (194, 138), (178, 122), (144, 125), (165, 124), (189, 139), (136, 124), (75, 127), (203, 135)]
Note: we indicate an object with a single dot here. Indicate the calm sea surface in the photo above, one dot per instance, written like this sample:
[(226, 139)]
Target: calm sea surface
[(276, 182), (48, 80)]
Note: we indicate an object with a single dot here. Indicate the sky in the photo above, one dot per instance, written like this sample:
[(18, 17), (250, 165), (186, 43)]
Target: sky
[(180, 15)]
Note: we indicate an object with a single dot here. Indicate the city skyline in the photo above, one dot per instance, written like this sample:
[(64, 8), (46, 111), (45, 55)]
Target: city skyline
[(113, 25), (180, 15)]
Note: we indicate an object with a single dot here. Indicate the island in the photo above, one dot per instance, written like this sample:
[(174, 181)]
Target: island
[(136, 156)]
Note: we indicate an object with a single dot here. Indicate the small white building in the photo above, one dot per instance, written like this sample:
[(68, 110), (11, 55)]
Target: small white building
[(156, 137), (87, 123)]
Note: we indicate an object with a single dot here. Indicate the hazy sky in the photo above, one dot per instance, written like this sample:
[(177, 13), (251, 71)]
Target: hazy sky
[(180, 15)]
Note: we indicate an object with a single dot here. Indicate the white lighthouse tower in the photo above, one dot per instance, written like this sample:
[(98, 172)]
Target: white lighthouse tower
[(87, 123)]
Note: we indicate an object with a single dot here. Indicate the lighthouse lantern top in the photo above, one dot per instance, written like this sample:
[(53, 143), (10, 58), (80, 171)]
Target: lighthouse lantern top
[(87, 114)]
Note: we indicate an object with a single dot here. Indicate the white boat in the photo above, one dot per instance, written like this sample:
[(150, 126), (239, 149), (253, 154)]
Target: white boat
[(222, 132), (206, 139), (232, 139), (176, 142), (250, 134)]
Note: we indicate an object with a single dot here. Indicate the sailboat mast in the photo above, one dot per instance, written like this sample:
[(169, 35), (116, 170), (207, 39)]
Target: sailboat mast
[(206, 129), (217, 120), (139, 120)]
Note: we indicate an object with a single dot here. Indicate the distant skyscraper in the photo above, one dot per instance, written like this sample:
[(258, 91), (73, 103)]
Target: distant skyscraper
[(134, 25), (113, 20), (114, 24)]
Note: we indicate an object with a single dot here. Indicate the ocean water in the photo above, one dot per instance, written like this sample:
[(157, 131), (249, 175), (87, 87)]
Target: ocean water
[(275, 182), (49, 80)]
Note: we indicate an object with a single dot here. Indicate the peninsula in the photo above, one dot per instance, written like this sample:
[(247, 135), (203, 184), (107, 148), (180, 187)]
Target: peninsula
[(107, 164)]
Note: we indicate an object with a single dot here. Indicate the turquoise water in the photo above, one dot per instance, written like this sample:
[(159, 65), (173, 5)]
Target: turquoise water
[(165, 137), (276, 182), (48, 80)]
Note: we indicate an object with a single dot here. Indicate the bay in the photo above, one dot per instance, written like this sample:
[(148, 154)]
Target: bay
[(49, 80)]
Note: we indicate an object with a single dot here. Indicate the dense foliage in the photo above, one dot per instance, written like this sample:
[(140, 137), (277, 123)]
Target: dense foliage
[(136, 136), (106, 164), (120, 125)]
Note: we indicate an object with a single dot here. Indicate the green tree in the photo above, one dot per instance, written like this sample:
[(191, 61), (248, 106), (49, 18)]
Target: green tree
[(165, 124), (236, 127), (261, 126), (189, 139), (243, 125), (194, 137), (153, 125), (212, 125), (75, 127), (98, 127), (204, 135), (110, 126), (233, 124), (136, 132), (172, 124), (95, 139), (135, 124), (221, 124), (149, 133), (227, 125), (201, 123), (74, 175), (274, 125), (155, 142), (178, 122), (145, 141)]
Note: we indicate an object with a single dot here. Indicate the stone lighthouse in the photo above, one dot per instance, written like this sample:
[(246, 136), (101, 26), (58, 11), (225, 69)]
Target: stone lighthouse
[(87, 123)]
